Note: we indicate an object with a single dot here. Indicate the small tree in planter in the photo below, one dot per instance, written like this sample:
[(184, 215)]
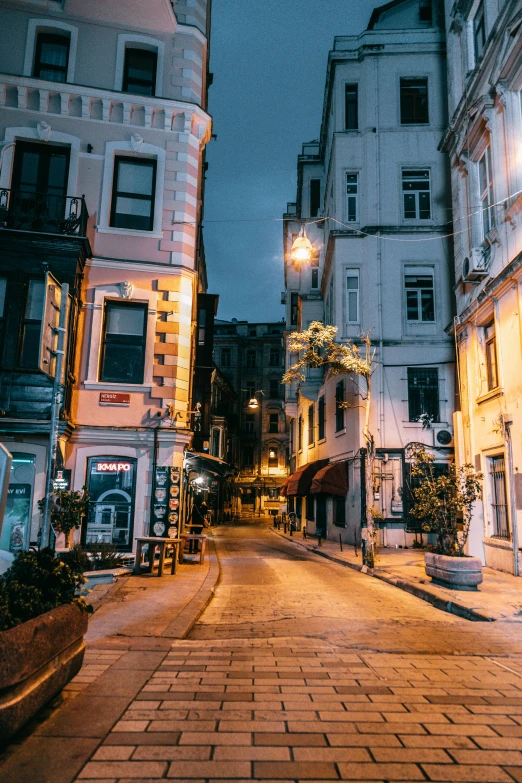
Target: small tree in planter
[(443, 504), (68, 508)]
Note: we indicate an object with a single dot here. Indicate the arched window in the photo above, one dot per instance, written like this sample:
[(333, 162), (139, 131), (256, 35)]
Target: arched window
[(139, 65)]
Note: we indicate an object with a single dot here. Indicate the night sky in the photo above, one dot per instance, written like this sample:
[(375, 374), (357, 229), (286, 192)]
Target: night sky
[(269, 62)]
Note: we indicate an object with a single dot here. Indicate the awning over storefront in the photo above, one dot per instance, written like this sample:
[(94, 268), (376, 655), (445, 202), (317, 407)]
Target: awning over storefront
[(195, 460), (331, 480), (283, 487), (299, 482)]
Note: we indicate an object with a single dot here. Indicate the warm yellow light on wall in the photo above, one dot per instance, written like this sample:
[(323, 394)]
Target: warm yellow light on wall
[(302, 249)]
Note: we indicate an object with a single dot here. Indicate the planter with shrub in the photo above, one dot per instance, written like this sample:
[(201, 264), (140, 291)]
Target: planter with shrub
[(42, 624), (443, 503), (68, 508)]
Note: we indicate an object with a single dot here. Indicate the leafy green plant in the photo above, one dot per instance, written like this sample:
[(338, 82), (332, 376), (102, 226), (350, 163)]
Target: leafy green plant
[(77, 559), (68, 507), (105, 555), (443, 503), (36, 583)]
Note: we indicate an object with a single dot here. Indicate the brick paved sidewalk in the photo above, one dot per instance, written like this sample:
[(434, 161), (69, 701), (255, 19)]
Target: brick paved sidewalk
[(296, 709), (499, 597)]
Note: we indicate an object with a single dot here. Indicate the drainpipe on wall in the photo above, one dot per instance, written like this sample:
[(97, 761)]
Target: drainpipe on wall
[(508, 421)]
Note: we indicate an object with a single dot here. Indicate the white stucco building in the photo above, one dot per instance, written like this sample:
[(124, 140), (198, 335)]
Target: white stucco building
[(383, 266), (483, 141)]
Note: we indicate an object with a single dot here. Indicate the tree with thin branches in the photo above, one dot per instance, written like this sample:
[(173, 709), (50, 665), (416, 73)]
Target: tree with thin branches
[(316, 347)]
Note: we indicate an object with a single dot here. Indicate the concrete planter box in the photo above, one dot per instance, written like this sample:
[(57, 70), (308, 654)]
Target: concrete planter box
[(37, 659), (458, 573)]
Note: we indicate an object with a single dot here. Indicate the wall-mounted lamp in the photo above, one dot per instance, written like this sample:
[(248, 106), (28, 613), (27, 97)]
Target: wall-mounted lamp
[(302, 248)]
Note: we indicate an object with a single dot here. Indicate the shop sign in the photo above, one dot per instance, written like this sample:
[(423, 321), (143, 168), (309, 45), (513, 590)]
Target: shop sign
[(62, 480), (166, 502), (17, 514), (114, 398), (113, 467)]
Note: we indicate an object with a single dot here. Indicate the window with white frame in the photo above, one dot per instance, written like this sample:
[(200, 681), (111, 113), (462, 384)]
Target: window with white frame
[(352, 198), (133, 193), (352, 296), (416, 197), (51, 57), (486, 192), (420, 298)]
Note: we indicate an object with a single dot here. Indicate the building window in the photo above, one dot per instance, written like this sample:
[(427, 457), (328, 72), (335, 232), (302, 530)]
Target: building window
[(226, 355), (423, 393), (216, 440), (251, 359), (133, 193), (249, 423), (491, 356), (202, 326), (315, 277), (321, 418), (352, 198), (315, 197), (32, 324), (300, 433), (252, 331), (273, 459), (339, 411), (123, 350), (139, 71), (248, 457), (479, 31), (311, 435), (310, 508), (351, 121), (486, 192), (275, 357), (250, 391), (416, 194), (294, 306), (352, 296), (274, 388), (339, 511), (52, 57), (426, 11), (420, 302), (273, 422), (499, 511), (414, 102), (111, 485)]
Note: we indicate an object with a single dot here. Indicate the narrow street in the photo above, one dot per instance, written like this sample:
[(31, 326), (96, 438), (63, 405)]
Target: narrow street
[(300, 669)]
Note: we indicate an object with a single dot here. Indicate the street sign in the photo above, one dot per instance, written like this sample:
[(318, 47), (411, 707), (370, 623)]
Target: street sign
[(114, 398), (5, 476), (62, 480)]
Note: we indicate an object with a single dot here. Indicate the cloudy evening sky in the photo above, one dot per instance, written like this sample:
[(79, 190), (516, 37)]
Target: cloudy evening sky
[(269, 62)]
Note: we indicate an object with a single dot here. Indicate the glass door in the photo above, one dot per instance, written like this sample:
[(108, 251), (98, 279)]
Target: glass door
[(111, 484), (39, 187)]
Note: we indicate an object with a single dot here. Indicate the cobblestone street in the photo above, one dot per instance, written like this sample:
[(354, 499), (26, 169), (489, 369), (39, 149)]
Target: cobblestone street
[(299, 669)]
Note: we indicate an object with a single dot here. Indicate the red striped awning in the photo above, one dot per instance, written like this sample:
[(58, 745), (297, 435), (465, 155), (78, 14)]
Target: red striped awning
[(299, 483), (331, 480)]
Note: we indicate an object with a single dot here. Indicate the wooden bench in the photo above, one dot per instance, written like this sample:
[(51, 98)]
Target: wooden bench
[(153, 543), (188, 537)]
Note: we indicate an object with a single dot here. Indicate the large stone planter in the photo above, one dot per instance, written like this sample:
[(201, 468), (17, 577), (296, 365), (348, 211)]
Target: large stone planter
[(37, 659), (458, 573)]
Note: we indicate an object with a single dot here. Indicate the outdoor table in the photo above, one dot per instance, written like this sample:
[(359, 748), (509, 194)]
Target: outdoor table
[(152, 543), (193, 537)]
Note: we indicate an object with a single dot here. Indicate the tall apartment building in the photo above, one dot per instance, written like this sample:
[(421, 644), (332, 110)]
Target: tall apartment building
[(483, 140), (251, 356), (103, 126), (373, 196)]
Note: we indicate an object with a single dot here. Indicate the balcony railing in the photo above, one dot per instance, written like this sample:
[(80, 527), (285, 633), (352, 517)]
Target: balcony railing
[(43, 212)]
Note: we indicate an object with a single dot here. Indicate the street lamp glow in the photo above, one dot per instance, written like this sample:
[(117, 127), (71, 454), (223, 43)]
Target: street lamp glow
[(253, 403), (302, 248)]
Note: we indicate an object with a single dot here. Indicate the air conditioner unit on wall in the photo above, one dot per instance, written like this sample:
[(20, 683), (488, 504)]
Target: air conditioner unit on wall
[(474, 266), (443, 436)]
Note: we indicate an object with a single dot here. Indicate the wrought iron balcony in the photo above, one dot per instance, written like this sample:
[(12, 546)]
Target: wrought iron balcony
[(44, 213)]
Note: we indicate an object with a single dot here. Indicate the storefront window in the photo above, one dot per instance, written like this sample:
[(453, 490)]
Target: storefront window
[(17, 520), (111, 484)]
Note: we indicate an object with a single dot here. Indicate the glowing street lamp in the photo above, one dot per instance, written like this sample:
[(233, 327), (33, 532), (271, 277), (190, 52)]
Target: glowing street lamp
[(302, 248), (253, 404)]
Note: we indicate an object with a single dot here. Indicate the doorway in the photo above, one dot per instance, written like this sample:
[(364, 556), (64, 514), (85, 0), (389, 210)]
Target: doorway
[(38, 187)]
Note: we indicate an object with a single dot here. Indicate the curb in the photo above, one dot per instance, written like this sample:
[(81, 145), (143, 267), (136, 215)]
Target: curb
[(188, 617), (424, 593)]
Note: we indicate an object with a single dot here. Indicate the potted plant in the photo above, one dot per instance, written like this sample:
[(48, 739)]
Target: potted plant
[(443, 503), (68, 507), (42, 624)]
